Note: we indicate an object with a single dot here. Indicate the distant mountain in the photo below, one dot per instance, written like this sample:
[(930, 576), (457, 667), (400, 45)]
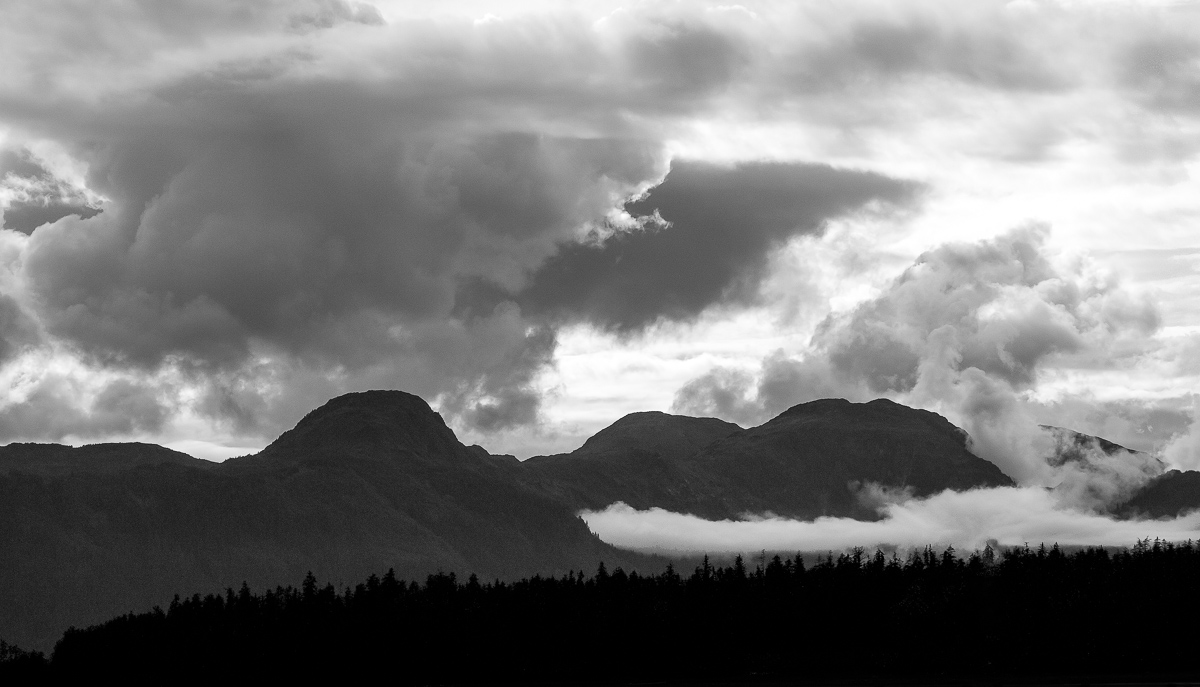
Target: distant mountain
[(50, 460), (641, 459), (811, 460), (1075, 447), (1155, 493), (1169, 495)]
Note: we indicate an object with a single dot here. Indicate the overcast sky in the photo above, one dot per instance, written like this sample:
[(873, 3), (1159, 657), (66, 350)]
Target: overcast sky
[(541, 216)]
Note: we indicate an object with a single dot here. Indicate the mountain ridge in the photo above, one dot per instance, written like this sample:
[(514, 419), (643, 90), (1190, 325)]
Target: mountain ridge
[(378, 480)]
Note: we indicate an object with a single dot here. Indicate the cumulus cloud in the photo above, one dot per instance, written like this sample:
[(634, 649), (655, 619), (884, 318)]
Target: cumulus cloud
[(964, 331), (966, 520)]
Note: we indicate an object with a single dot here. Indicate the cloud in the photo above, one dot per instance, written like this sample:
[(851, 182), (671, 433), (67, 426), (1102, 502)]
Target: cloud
[(979, 46), (719, 225), (1182, 451), (31, 195), (278, 228), (966, 520), (1010, 310), (299, 199), (17, 330), (260, 213), (963, 331), (748, 399), (59, 406)]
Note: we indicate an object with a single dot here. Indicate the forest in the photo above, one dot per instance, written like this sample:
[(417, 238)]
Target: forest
[(1021, 613)]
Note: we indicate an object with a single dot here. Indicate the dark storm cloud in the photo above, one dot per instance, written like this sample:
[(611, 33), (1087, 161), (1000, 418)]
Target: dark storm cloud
[(722, 223), (282, 232), (277, 234)]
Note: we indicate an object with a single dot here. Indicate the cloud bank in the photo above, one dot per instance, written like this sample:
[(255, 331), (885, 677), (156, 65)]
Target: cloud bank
[(965, 520)]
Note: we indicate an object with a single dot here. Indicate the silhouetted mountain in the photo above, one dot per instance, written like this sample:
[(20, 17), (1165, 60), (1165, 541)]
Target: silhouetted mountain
[(367, 423), (671, 436), (810, 461), (641, 459), (365, 483), (1169, 495), (55, 459), (377, 480)]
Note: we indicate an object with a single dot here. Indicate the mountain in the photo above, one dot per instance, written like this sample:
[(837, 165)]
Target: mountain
[(1169, 495), (1075, 447), (811, 460), (367, 482), (641, 459), (50, 460), (377, 480)]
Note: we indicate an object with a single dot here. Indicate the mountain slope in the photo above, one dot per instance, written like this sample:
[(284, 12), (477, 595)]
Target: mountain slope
[(1169, 495), (811, 460), (55, 459), (641, 459), (365, 483)]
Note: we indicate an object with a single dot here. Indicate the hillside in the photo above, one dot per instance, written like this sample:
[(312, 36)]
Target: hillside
[(51, 460), (367, 482), (811, 460), (1169, 495), (377, 480)]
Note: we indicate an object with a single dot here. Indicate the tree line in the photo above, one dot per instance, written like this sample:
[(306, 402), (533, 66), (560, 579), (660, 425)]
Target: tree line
[(1021, 612)]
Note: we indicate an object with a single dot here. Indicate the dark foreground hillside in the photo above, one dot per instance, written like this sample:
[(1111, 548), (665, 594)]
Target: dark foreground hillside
[(1039, 614)]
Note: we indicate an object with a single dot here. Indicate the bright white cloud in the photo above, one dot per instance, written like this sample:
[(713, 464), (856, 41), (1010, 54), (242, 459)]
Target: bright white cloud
[(965, 520)]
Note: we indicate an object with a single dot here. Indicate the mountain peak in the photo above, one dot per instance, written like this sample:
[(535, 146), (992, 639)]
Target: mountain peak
[(672, 436), (388, 419), (880, 412)]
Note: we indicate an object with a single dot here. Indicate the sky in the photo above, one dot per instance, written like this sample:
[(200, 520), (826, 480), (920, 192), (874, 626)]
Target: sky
[(542, 216)]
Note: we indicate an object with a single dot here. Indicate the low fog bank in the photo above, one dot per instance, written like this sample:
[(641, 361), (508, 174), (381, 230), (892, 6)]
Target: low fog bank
[(1010, 516), (1073, 487)]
